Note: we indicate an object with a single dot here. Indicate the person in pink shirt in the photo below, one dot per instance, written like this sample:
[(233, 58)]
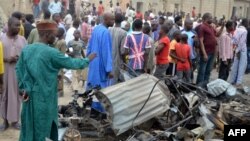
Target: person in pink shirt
[(100, 12), (226, 51), (84, 29)]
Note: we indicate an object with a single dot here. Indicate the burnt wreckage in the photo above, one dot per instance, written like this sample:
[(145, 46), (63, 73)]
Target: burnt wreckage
[(147, 109)]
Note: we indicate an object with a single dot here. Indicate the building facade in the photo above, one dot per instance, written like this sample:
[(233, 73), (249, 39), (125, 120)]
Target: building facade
[(228, 8)]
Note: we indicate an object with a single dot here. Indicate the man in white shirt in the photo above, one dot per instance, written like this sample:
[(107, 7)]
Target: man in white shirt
[(68, 21), (55, 7)]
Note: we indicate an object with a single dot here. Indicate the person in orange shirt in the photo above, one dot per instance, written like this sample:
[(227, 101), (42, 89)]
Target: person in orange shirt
[(162, 52), (100, 12), (182, 55), (172, 62)]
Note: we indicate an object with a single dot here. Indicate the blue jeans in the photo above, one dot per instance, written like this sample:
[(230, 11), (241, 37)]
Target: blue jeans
[(238, 68), (205, 69), (36, 11)]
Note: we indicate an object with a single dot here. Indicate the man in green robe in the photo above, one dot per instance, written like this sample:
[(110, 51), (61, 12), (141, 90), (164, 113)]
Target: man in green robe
[(37, 70)]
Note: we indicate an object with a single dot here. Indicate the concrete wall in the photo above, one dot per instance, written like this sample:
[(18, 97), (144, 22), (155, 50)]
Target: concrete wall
[(107, 4), (9, 6), (218, 8), (242, 9)]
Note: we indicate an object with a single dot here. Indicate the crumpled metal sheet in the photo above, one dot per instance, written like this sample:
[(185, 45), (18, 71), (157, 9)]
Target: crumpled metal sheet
[(123, 101), (218, 86)]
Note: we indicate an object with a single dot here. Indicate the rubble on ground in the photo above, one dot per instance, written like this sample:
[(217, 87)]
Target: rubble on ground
[(181, 112)]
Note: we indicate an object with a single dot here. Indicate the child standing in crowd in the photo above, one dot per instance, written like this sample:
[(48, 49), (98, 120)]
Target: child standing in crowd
[(182, 55), (151, 56), (162, 52), (172, 61), (137, 46), (226, 51), (76, 50), (61, 46)]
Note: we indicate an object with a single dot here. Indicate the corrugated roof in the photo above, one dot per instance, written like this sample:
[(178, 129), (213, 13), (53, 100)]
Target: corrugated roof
[(124, 100)]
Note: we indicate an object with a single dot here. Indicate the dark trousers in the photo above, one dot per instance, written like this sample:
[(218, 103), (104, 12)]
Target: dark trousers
[(160, 71), (171, 70), (224, 69), (205, 68)]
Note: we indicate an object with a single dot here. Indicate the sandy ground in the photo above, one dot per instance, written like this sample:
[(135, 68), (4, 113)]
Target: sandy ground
[(12, 134)]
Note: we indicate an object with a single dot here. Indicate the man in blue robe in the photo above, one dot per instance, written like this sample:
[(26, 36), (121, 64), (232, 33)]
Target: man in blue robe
[(100, 69)]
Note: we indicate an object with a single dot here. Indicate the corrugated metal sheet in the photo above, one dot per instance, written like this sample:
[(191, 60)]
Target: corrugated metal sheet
[(124, 100)]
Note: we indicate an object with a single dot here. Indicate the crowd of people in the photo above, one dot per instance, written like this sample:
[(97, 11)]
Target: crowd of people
[(34, 52)]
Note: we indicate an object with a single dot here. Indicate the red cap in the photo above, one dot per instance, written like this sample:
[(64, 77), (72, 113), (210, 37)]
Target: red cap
[(46, 25)]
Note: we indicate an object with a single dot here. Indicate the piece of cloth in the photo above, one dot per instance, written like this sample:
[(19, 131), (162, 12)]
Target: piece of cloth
[(39, 116), (137, 43), (226, 47), (10, 101), (101, 44), (183, 51), (118, 39), (55, 7), (33, 37), (161, 70), (224, 69), (205, 68), (208, 33), (1, 59), (162, 56)]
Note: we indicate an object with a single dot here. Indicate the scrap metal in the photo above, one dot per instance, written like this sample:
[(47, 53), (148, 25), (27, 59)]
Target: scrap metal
[(124, 100)]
